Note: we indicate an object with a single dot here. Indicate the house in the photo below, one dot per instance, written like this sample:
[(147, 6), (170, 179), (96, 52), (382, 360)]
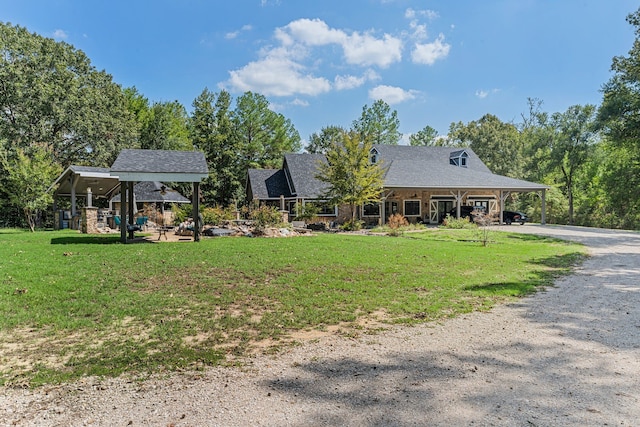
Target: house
[(421, 183)]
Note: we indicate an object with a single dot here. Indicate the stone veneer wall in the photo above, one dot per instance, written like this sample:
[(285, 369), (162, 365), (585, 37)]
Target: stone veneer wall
[(90, 220)]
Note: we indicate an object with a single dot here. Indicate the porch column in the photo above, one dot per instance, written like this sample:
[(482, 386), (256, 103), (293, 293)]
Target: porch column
[(503, 197), (123, 211), (543, 214), (73, 180), (130, 208), (458, 196), (196, 211)]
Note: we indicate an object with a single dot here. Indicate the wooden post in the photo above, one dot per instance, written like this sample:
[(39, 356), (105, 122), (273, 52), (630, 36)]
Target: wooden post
[(123, 211), (196, 211), (130, 208)]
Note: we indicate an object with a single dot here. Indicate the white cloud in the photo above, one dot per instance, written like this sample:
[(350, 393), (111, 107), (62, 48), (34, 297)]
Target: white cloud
[(429, 53), (358, 49), (300, 102), (60, 34), (484, 93), (278, 75), (429, 14), (391, 94), (352, 82), (284, 70), (368, 50), (234, 34)]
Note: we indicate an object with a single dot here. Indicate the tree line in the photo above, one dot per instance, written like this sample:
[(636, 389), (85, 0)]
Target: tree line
[(56, 109)]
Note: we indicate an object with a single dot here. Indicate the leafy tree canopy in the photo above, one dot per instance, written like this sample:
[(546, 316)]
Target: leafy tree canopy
[(619, 114), (427, 136), (378, 124), (51, 94), (322, 141), (350, 177)]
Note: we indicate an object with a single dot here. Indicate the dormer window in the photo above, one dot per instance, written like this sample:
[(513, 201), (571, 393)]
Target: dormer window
[(459, 158), (373, 156)]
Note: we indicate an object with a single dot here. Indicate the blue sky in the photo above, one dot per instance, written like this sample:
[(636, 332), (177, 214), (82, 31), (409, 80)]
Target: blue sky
[(319, 62)]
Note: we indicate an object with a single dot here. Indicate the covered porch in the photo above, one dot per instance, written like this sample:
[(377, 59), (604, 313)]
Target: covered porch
[(134, 165)]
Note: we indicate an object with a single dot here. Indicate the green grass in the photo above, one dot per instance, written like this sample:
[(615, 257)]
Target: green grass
[(73, 305)]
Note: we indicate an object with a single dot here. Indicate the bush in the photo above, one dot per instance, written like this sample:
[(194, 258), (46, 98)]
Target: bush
[(396, 222), (352, 225), (308, 212), (217, 215), (265, 216), (181, 212), (457, 223)]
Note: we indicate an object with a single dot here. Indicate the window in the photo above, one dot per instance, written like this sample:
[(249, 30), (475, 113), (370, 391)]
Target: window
[(292, 208), (373, 156), (459, 158), (371, 209), (412, 208), (324, 208)]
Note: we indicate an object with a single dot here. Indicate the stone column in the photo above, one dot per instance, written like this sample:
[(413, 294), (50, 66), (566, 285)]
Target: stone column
[(90, 220)]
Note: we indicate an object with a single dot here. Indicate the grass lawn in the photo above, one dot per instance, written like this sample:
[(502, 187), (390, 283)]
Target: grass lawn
[(74, 305)]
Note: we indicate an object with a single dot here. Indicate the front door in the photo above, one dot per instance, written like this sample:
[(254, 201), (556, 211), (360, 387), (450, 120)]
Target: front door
[(438, 210)]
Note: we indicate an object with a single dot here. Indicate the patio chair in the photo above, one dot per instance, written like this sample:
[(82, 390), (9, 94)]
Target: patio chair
[(141, 221)]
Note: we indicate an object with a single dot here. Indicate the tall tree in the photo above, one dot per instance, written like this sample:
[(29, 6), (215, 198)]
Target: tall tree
[(378, 124), (212, 132), (51, 94), (165, 127), (427, 136), (322, 141), (495, 142), (570, 143), (263, 135), (619, 113), (350, 177)]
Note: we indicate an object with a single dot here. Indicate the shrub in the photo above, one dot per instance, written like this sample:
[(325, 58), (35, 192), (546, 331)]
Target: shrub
[(265, 216), (216, 215), (396, 223), (458, 223), (352, 225)]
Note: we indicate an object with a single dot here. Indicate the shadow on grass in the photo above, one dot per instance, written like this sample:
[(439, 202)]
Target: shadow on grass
[(87, 240)]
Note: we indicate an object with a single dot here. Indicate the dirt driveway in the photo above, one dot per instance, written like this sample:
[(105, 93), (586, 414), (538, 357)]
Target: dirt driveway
[(569, 356)]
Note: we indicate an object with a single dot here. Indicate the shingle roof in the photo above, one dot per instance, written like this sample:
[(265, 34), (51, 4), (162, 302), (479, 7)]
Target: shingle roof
[(267, 184), (405, 167), (303, 169), (160, 161)]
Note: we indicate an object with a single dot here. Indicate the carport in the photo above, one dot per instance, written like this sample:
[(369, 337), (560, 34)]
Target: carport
[(133, 165)]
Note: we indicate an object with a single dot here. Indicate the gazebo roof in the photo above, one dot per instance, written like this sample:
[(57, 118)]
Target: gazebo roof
[(101, 182), (160, 165)]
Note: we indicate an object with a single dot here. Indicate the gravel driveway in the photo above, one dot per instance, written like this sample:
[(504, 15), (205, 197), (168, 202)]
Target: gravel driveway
[(569, 356)]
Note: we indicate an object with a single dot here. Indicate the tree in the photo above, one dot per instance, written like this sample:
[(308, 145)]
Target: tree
[(164, 127), (428, 136), (619, 113), (495, 142), (322, 141), (263, 135), (27, 179), (51, 94), (378, 124), (570, 143), (351, 178), (212, 132)]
